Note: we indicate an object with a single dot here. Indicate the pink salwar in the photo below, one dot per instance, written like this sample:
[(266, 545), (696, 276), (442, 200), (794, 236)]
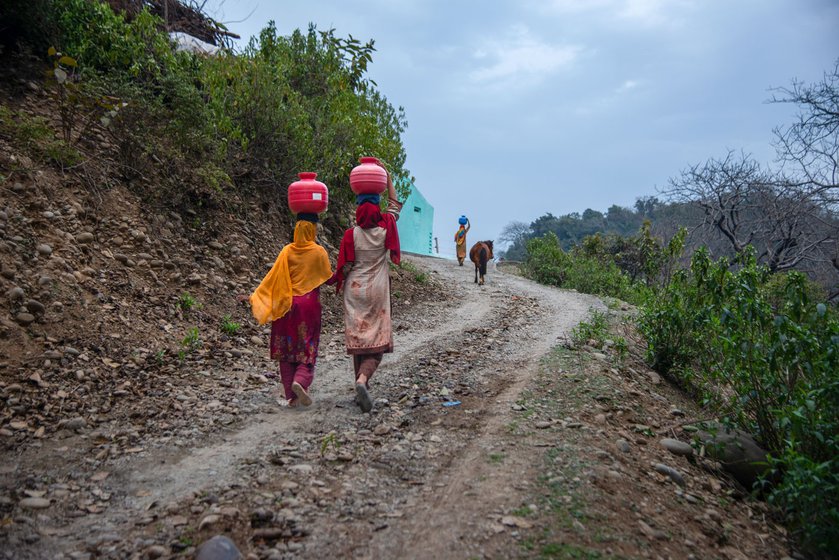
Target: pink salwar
[(366, 364), (294, 341), (296, 371)]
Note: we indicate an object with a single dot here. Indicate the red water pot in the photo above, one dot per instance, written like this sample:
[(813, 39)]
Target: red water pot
[(369, 177), (307, 195)]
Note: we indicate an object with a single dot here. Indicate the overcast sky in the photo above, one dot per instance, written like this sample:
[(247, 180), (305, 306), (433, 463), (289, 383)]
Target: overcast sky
[(519, 108)]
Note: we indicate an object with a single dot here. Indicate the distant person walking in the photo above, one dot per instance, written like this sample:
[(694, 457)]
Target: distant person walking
[(460, 241), (289, 296), (362, 272)]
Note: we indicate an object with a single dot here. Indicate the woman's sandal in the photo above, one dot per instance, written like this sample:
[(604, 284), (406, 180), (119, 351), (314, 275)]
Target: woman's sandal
[(301, 393), (362, 397)]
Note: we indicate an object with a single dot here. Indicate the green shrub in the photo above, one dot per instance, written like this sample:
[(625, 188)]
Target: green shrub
[(809, 496), (104, 43), (547, 263), (764, 356)]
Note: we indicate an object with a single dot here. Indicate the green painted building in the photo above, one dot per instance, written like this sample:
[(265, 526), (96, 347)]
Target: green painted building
[(416, 223)]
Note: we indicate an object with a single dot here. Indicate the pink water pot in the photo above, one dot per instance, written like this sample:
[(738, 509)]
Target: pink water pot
[(368, 177), (307, 195)]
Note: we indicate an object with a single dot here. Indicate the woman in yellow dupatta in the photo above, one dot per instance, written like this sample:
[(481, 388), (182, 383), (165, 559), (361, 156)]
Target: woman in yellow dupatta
[(289, 296)]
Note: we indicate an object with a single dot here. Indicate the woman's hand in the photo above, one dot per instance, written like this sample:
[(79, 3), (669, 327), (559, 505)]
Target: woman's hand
[(391, 191)]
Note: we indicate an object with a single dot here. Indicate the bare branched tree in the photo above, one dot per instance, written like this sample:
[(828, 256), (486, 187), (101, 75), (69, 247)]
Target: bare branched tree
[(723, 189), (743, 204), (514, 235), (514, 231), (809, 148), (790, 216)]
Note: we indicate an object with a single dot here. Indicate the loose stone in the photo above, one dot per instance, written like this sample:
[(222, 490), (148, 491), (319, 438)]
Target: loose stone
[(35, 503), (674, 475), (677, 447)]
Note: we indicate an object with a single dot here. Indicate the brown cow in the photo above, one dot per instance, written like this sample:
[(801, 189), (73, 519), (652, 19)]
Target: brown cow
[(480, 254)]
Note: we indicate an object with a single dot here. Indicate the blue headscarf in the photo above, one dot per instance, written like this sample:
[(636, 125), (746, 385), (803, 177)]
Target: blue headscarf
[(309, 217), (362, 198)]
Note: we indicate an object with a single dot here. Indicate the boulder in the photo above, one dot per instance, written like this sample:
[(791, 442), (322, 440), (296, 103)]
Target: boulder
[(737, 452)]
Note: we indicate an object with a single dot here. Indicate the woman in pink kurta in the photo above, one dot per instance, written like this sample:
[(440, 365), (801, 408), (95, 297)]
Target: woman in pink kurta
[(363, 273)]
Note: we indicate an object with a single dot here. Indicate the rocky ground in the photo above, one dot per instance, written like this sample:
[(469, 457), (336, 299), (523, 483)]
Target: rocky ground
[(139, 414)]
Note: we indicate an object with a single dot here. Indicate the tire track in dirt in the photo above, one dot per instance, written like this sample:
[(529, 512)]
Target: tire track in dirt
[(450, 524)]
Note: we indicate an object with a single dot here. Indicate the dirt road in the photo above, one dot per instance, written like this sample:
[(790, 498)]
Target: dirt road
[(488, 439), (390, 484)]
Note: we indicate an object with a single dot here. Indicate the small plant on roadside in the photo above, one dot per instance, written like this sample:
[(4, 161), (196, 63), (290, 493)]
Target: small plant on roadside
[(612, 303), (594, 330), (79, 107), (327, 442), (411, 268), (523, 511), (192, 340), (159, 357), (228, 326), (186, 302), (621, 348), (496, 458), (185, 540), (36, 135)]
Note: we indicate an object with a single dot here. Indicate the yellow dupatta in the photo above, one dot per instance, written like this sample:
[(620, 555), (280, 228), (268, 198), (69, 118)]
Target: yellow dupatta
[(301, 266)]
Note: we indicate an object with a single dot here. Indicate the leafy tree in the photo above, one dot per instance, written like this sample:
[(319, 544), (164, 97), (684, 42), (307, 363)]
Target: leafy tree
[(647, 206), (303, 102), (622, 221)]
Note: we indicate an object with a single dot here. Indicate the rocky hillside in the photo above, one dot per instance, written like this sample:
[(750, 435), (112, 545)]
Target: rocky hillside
[(110, 297)]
